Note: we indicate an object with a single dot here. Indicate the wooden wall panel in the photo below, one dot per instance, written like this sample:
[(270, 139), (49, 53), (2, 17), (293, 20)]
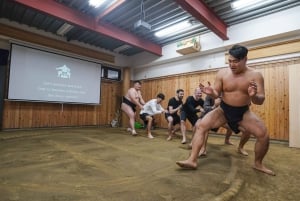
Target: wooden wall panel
[(43, 115), (274, 112), (280, 48), (36, 115)]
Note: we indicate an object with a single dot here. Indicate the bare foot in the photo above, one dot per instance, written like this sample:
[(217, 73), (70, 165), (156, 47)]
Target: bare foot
[(183, 141), (264, 170), (242, 151), (189, 146), (228, 142), (129, 129), (187, 165), (202, 154), (169, 138), (134, 133), (150, 136)]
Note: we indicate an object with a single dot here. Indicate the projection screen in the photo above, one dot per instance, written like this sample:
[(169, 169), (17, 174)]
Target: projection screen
[(38, 75)]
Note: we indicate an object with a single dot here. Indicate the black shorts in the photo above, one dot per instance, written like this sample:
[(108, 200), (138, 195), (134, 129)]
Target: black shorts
[(143, 117), (176, 118), (193, 118)]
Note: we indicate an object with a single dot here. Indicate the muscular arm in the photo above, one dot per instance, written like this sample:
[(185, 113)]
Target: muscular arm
[(142, 102), (257, 90)]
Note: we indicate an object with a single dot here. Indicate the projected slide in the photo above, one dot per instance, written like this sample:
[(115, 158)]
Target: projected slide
[(37, 75)]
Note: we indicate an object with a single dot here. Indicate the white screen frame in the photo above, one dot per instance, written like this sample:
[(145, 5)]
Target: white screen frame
[(34, 76)]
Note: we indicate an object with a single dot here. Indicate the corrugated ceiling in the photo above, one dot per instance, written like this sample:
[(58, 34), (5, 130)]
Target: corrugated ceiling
[(157, 13)]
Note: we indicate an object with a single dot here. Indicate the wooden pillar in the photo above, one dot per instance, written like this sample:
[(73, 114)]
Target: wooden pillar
[(294, 108), (3, 62), (125, 87)]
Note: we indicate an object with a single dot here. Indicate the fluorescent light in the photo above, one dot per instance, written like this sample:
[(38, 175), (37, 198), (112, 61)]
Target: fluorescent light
[(174, 29), (96, 3), (248, 3), (65, 28), (122, 48)]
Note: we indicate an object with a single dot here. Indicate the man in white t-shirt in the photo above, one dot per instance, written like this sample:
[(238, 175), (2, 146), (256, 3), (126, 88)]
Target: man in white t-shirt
[(150, 109)]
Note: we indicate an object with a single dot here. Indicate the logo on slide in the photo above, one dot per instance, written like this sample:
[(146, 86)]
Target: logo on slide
[(64, 72)]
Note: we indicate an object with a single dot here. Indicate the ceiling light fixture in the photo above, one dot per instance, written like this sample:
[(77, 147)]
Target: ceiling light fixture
[(174, 29), (239, 4), (142, 24), (65, 28), (122, 48), (96, 3)]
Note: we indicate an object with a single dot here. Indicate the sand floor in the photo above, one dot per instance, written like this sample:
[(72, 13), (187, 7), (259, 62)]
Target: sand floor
[(108, 164)]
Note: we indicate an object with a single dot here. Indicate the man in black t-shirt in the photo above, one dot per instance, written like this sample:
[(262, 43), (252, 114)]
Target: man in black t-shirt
[(189, 111), (173, 118)]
